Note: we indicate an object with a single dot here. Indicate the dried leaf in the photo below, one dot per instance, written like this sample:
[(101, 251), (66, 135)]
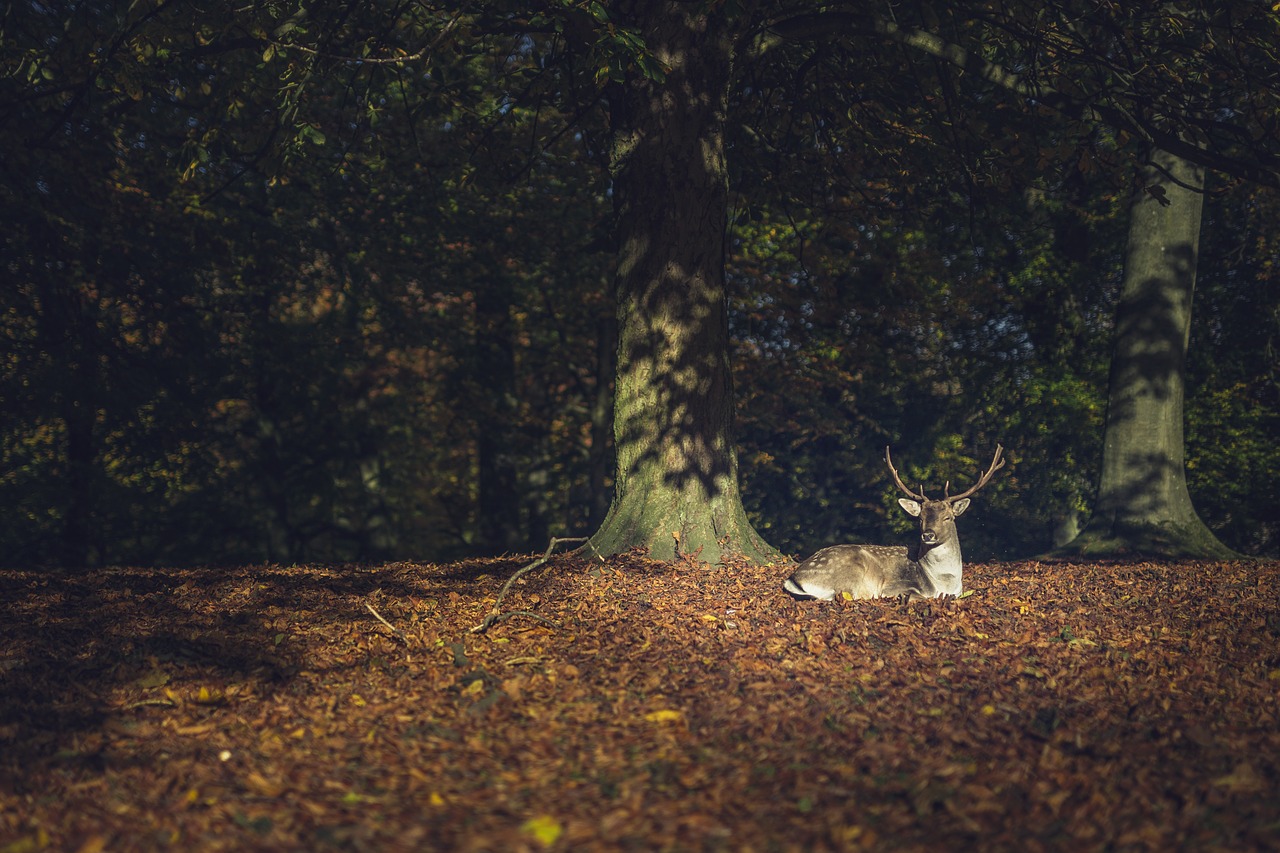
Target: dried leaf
[(155, 678), (801, 727)]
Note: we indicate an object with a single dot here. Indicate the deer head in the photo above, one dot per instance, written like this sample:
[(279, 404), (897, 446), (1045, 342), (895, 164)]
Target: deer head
[(931, 567), (938, 517)]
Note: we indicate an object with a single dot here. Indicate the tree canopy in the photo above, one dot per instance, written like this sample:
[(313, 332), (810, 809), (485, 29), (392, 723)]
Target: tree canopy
[(333, 282)]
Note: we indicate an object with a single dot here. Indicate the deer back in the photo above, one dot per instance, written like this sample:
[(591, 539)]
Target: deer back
[(862, 571)]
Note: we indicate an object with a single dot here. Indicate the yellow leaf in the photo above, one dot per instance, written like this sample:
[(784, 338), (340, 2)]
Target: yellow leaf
[(707, 617), (988, 710), (545, 829), (664, 716), (209, 697), (436, 799), (358, 700), (846, 595)]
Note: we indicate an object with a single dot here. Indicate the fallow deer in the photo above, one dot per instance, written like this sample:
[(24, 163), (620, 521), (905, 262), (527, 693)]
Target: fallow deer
[(930, 568)]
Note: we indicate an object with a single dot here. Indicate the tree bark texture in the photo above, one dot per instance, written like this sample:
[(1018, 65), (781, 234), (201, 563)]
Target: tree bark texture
[(1143, 505), (676, 486)]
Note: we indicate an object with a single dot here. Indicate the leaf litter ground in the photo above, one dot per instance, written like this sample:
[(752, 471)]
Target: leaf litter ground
[(676, 707)]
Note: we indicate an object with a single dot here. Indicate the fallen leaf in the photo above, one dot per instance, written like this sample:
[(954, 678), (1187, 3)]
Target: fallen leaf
[(664, 716), (546, 830), (155, 678), (1243, 778)]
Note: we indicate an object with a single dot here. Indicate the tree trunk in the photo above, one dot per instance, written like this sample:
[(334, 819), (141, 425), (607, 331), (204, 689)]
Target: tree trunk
[(676, 486), (600, 459), (1143, 505)]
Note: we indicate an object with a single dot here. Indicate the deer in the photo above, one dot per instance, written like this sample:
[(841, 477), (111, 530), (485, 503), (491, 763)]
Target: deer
[(930, 568)]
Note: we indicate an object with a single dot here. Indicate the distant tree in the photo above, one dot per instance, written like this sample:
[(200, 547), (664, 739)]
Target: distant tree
[(1143, 504), (636, 518)]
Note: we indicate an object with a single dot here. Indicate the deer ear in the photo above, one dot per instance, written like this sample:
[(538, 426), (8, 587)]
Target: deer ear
[(960, 506), (911, 507)]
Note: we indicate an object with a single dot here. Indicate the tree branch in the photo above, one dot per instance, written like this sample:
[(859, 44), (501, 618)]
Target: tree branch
[(833, 24), (496, 615)]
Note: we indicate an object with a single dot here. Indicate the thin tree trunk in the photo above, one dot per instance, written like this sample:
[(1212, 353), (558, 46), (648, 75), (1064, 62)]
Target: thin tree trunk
[(676, 487), (1143, 505)]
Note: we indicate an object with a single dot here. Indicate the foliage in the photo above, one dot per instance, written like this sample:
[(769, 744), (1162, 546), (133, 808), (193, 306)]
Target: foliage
[(1058, 707), (1233, 408), (315, 282), (298, 335), (941, 341)]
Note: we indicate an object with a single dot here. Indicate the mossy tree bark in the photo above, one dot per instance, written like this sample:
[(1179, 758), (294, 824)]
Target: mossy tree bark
[(1143, 506), (676, 484)]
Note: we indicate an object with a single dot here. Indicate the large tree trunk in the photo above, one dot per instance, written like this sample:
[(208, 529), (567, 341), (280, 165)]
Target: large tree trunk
[(1142, 504), (676, 488)]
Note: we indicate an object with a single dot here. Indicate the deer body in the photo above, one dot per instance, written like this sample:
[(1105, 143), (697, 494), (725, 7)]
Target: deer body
[(930, 568)]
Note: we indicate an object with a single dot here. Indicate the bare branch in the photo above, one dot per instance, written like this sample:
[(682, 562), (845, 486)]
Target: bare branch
[(936, 46), (495, 614), (374, 60), (394, 629), (1092, 106)]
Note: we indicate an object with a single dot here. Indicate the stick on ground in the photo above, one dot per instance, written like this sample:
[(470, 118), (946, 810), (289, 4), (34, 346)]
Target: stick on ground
[(394, 629), (496, 615)]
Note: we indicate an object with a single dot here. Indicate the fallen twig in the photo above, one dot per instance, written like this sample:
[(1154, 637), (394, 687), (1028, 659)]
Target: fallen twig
[(496, 615), (394, 629)]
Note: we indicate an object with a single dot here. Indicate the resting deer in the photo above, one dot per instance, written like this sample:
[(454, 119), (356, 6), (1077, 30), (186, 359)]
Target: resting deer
[(930, 568)]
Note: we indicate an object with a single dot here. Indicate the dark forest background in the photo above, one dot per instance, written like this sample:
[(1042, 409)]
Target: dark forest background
[(248, 315)]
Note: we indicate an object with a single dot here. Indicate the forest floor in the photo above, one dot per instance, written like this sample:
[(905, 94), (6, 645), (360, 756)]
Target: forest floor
[(1127, 706)]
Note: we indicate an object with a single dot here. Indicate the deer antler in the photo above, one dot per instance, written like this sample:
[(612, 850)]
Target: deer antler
[(889, 461), (997, 462)]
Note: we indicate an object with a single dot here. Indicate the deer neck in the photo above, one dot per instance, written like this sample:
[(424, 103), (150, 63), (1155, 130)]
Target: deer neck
[(942, 563)]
